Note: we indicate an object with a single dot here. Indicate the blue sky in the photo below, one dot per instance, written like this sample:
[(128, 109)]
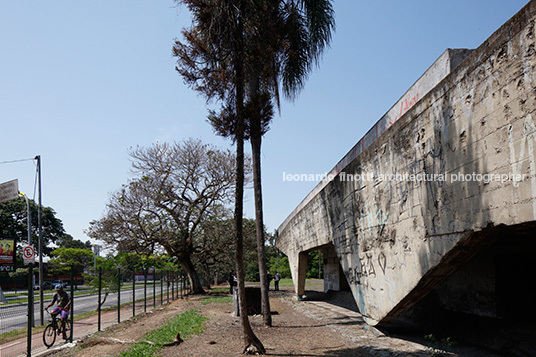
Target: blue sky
[(81, 82)]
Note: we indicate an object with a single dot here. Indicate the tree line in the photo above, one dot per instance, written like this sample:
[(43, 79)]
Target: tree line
[(212, 250)]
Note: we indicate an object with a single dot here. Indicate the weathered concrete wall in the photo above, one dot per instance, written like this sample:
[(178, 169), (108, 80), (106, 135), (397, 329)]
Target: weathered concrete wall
[(464, 142)]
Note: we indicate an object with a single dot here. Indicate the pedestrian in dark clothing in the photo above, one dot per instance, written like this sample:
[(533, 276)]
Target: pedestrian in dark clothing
[(268, 279), (276, 281), (231, 280)]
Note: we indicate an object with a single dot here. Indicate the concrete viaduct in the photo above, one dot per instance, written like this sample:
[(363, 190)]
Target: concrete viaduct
[(438, 199)]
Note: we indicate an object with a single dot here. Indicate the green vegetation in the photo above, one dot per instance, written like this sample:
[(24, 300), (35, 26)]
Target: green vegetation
[(13, 215), (280, 263), (216, 299), (438, 343), (188, 323), (219, 290), (64, 259), (12, 335)]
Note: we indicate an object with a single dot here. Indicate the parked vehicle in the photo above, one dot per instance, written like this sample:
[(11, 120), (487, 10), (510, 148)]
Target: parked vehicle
[(59, 282), (47, 285)]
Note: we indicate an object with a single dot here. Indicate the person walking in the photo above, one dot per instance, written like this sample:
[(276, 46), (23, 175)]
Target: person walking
[(232, 282), (277, 277)]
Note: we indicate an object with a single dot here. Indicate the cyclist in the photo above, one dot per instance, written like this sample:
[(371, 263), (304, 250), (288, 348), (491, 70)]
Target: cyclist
[(64, 302)]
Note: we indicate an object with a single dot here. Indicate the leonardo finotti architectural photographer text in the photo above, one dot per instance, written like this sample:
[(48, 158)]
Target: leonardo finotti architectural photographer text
[(405, 177)]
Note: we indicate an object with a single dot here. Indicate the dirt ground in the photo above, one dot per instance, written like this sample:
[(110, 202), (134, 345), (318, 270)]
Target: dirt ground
[(309, 328)]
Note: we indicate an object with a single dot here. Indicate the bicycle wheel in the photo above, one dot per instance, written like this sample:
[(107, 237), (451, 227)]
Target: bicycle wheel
[(49, 335)]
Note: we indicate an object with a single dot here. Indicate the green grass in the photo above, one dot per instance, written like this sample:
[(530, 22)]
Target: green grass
[(216, 299), (308, 282), (188, 323), (219, 290), (287, 282)]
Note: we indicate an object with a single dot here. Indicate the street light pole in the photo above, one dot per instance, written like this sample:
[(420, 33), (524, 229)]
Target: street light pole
[(40, 243)]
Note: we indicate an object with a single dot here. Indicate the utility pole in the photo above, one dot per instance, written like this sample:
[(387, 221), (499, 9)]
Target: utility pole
[(40, 243)]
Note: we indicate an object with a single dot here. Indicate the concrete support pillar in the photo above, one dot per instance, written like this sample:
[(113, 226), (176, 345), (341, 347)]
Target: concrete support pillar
[(298, 269), (301, 274)]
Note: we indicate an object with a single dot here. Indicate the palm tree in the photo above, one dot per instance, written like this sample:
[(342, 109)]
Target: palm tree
[(212, 61), (253, 45), (289, 38)]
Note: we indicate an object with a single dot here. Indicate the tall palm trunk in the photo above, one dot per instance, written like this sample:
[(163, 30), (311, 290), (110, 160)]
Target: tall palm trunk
[(265, 301), (256, 140), (252, 345)]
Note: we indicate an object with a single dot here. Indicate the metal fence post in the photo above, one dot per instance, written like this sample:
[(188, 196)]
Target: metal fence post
[(183, 285), (173, 287), (144, 289), (72, 306), (154, 287), (167, 286), (134, 293), (161, 290), (118, 295), (99, 306)]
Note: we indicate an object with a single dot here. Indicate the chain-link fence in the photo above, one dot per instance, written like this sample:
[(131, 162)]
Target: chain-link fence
[(109, 298)]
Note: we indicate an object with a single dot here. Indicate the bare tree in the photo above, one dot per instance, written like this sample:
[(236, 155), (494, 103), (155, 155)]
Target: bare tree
[(175, 189)]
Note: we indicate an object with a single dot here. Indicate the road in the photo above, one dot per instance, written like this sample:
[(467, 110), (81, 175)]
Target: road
[(14, 317)]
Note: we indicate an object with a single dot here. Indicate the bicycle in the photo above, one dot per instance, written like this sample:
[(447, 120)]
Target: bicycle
[(53, 329)]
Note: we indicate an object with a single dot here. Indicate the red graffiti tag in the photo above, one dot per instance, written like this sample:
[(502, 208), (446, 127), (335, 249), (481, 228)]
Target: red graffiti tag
[(405, 104)]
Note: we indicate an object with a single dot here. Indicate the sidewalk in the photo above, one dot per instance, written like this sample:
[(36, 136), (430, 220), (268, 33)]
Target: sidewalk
[(81, 328)]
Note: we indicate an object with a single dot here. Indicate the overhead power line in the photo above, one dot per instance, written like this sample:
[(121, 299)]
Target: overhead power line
[(13, 161)]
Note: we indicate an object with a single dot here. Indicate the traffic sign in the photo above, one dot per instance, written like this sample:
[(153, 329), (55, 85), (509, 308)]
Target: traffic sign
[(9, 190), (28, 255)]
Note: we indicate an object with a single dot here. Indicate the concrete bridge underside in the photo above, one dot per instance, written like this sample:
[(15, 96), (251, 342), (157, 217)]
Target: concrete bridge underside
[(443, 197)]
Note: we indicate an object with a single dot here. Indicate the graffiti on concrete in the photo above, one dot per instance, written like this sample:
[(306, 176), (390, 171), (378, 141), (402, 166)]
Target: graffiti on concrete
[(527, 141), (373, 217), (405, 105)]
